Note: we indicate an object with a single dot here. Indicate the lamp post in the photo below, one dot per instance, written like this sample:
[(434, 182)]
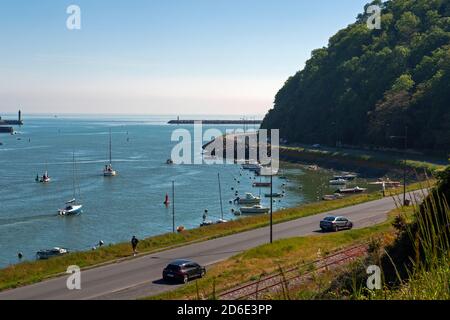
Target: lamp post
[(271, 206), (405, 147), (173, 206)]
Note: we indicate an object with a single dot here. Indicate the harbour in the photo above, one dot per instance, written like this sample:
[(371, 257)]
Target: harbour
[(130, 203)]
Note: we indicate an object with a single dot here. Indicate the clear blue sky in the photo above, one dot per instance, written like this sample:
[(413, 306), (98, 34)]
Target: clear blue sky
[(159, 56)]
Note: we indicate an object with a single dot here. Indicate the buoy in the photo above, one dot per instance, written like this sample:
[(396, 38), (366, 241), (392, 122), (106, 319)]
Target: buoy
[(167, 201), (20, 255)]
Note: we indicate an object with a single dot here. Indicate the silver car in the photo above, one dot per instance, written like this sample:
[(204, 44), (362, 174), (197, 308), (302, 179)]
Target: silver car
[(332, 223)]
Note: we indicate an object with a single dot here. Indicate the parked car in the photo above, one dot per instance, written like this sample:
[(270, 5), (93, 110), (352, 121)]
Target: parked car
[(332, 223), (183, 271)]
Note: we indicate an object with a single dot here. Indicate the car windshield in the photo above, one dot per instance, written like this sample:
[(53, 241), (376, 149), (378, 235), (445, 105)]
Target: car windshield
[(173, 267), (329, 218)]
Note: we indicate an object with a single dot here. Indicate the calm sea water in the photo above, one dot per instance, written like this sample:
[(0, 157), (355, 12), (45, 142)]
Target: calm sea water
[(114, 208)]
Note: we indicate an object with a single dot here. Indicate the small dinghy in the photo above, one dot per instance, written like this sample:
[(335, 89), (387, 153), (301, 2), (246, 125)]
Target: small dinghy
[(249, 199), (51, 253), (254, 210)]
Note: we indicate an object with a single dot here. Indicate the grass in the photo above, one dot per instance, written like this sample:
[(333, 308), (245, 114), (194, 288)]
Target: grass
[(35, 271), (424, 247), (368, 157), (266, 259)]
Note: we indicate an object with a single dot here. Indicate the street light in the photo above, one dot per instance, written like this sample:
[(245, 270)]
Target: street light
[(173, 206), (405, 139)]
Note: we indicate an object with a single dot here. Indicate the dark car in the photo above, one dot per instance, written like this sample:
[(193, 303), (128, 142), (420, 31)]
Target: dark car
[(335, 224), (183, 271)]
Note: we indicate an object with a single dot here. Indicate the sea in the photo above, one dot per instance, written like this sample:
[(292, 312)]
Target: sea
[(132, 203)]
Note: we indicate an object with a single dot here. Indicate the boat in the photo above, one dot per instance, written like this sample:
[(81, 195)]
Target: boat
[(249, 199), (254, 210), (206, 222), (338, 182), (51, 253), (262, 184), (109, 171), (274, 195), (387, 183), (252, 166), (348, 177), (72, 207), (332, 197), (351, 190), (313, 168)]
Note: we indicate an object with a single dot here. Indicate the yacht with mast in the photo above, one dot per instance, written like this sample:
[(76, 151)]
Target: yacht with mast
[(73, 207), (109, 171)]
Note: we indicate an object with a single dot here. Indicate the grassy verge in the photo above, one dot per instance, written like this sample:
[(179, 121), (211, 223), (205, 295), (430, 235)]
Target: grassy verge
[(359, 158), (35, 271), (266, 259)]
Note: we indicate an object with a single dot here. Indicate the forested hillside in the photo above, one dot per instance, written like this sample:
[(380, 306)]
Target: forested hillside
[(368, 85)]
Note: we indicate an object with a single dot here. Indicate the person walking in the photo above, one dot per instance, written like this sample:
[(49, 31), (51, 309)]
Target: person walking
[(134, 244)]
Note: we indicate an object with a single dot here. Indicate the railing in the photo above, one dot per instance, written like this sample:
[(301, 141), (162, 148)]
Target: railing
[(292, 274)]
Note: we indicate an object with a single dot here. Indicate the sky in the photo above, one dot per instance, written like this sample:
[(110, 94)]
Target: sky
[(159, 56)]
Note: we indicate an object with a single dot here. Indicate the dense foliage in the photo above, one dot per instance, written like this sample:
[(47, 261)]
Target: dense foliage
[(368, 85)]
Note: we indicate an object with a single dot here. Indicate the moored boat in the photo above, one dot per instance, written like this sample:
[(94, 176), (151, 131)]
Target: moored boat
[(109, 171), (51, 253), (262, 184), (249, 199), (258, 209), (274, 195), (351, 190), (338, 182)]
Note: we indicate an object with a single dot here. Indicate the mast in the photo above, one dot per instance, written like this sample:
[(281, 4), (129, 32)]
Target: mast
[(73, 177), (220, 194), (173, 206), (110, 147)]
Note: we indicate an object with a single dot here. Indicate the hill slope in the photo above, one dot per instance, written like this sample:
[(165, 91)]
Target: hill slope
[(368, 85)]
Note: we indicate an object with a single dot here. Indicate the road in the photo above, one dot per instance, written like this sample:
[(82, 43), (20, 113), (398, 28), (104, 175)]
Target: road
[(141, 277)]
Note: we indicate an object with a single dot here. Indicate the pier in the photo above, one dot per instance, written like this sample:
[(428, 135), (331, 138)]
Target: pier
[(5, 125), (211, 122)]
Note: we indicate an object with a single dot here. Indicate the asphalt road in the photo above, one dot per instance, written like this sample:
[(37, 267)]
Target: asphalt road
[(141, 277)]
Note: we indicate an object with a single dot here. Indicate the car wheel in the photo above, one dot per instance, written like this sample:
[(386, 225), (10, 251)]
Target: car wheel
[(185, 279), (336, 228), (202, 274)]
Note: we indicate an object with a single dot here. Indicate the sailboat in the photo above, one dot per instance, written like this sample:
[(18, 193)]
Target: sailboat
[(72, 207), (206, 222), (109, 171), (45, 178)]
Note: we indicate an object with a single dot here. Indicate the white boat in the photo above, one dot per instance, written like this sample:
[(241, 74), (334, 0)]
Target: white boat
[(109, 171), (348, 177), (249, 199), (338, 182), (50, 253), (332, 197), (72, 207), (254, 210), (351, 190)]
